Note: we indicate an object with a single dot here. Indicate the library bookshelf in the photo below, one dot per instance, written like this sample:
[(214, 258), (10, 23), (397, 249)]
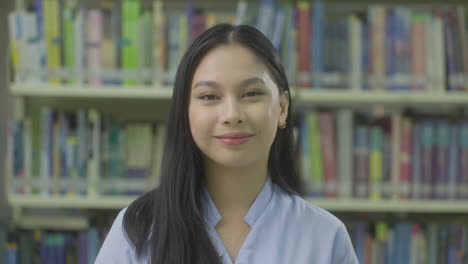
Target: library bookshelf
[(300, 96), (430, 99)]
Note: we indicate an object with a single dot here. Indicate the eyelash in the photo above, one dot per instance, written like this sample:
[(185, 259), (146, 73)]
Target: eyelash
[(207, 97)]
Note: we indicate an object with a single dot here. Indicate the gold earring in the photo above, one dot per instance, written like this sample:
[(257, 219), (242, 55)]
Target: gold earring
[(283, 124)]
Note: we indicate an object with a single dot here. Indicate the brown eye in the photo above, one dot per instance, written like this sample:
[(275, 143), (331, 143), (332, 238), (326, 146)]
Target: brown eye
[(208, 97), (253, 93)]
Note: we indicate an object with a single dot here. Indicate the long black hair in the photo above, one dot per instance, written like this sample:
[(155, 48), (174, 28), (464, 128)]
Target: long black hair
[(168, 222)]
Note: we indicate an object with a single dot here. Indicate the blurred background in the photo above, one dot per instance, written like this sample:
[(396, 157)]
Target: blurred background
[(380, 106)]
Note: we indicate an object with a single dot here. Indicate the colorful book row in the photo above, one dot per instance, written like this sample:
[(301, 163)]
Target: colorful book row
[(86, 152), (51, 247), (373, 48), (410, 243), (345, 154)]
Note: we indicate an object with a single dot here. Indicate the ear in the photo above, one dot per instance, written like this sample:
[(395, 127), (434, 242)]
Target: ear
[(284, 104)]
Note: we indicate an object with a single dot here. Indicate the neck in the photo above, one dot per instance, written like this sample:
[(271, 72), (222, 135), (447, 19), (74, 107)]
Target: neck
[(234, 190)]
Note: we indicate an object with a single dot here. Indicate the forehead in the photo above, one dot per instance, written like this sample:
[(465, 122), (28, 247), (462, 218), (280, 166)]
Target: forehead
[(229, 63)]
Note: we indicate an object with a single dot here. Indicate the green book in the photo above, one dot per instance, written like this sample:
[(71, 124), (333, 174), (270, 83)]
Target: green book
[(26, 247), (315, 153), (130, 38)]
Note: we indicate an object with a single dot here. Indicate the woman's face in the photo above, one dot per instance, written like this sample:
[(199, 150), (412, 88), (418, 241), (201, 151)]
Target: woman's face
[(235, 107)]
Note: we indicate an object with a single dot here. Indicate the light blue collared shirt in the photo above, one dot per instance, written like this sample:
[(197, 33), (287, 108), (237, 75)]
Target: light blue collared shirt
[(284, 228)]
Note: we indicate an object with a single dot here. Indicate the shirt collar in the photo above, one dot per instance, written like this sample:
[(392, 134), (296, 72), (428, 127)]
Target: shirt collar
[(212, 216)]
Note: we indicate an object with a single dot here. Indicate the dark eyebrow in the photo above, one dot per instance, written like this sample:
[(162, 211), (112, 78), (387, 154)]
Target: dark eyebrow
[(206, 83), (244, 83), (250, 81)]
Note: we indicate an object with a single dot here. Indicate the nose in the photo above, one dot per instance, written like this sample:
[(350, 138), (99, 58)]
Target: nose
[(232, 112)]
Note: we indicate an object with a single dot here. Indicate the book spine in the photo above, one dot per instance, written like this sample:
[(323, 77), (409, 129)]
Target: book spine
[(416, 177), (377, 46), (52, 37), (375, 163), (327, 144), (361, 162), (418, 52), (405, 158), (94, 40), (463, 166), (452, 160), (345, 152), (303, 43), (318, 23), (442, 149), (396, 155), (427, 143), (316, 156), (355, 51)]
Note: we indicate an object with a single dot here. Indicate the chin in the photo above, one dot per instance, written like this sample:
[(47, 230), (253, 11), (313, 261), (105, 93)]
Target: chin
[(234, 162)]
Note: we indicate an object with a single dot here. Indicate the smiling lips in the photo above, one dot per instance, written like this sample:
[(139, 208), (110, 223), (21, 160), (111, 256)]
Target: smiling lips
[(235, 138)]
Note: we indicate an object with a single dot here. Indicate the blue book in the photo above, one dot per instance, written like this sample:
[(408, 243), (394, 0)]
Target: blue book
[(365, 55), (18, 148), (44, 251), (173, 42), (318, 23), (278, 28), (12, 255), (83, 248), (452, 160), (427, 163), (265, 18), (93, 244), (40, 30), (82, 142), (358, 240), (46, 147), (305, 157), (390, 60), (60, 248), (402, 243), (442, 149)]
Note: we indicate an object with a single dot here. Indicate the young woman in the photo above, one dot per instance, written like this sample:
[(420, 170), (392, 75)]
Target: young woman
[(229, 189)]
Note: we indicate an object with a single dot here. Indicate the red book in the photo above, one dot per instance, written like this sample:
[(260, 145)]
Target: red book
[(304, 33), (327, 147)]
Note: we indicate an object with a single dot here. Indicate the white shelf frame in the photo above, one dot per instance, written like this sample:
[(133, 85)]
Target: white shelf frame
[(335, 205), (98, 202), (301, 95), (84, 91)]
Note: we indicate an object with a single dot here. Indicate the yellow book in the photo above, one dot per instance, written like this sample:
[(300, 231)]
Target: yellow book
[(52, 36), (211, 20), (13, 31), (375, 163)]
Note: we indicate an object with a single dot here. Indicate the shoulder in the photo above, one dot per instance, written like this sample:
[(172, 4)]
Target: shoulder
[(304, 211), (117, 248), (311, 222)]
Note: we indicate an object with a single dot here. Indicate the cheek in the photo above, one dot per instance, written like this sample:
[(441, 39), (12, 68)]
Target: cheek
[(199, 122)]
